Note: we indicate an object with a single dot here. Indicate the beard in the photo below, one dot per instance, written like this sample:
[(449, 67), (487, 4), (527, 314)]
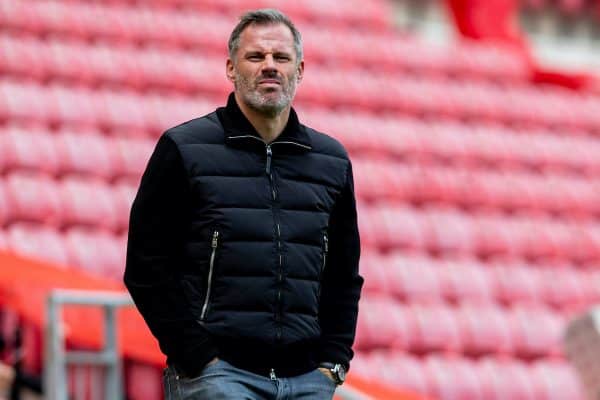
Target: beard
[(268, 102)]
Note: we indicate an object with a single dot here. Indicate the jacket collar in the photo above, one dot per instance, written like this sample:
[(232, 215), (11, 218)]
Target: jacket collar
[(238, 128)]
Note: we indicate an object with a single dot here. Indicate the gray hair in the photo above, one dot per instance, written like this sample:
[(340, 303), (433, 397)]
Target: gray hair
[(263, 16)]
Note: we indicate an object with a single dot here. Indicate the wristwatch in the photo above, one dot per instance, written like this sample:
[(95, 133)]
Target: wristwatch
[(337, 370)]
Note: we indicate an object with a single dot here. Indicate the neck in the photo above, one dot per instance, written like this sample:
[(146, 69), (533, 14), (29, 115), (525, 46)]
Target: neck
[(269, 127)]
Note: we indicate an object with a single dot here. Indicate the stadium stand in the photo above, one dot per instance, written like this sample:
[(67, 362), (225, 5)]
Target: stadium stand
[(478, 210)]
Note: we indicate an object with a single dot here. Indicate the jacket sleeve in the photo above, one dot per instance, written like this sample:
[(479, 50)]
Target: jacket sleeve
[(155, 244), (341, 286)]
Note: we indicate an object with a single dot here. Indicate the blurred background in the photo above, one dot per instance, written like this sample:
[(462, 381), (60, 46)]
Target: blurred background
[(473, 126)]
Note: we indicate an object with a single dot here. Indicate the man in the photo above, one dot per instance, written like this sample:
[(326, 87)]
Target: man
[(243, 242)]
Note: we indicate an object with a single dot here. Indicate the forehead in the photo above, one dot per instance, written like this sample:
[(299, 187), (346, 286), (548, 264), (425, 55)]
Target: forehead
[(267, 37)]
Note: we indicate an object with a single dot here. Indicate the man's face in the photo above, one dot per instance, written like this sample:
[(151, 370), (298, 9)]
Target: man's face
[(265, 70)]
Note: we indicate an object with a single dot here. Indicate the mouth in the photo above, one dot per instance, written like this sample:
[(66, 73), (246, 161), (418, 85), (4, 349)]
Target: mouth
[(269, 82)]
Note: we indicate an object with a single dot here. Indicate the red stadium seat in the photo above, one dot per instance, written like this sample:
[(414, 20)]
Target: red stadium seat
[(452, 378), (484, 329), (557, 381), (411, 278), (86, 154), (505, 379), (437, 329), (88, 203), (536, 331), (96, 252), (37, 241), (24, 149), (32, 197)]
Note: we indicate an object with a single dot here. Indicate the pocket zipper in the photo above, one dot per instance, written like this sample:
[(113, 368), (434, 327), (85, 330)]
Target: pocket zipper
[(214, 245), (325, 251)]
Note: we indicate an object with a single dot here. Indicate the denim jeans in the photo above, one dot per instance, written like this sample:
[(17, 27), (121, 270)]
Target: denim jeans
[(223, 381)]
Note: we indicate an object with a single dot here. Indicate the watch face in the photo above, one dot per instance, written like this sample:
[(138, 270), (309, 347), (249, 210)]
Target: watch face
[(341, 373)]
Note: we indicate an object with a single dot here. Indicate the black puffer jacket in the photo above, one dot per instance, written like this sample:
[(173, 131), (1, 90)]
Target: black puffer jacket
[(244, 250)]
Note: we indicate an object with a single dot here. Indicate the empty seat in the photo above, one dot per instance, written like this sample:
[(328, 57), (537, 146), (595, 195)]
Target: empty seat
[(452, 378), (484, 329), (505, 378), (37, 241), (96, 252), (384, 324), (536, 331), (87, 154), (24, 149), (556, 380), (33, 197), (436, 328), (89, 203)]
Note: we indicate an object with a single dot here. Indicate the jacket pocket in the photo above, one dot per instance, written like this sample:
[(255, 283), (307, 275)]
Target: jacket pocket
[(209, 279), (325, 250)]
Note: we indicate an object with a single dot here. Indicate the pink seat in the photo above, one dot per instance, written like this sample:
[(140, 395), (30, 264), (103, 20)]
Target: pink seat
[(505, 378), (517, 283), (123, 194), (33, 197), (384, 324), (452, 378), (399, 369), (437, 328), (413, 279), (484, 329), (89, 203), (97, 252), (24, 149), (464, 280), (563, 287), (557, 380), (39, 242), (536, 331), (86, 154), (132, 155)]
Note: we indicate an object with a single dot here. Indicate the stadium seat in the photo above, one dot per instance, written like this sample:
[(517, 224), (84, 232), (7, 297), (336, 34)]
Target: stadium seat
[(26, 149), (37, 241), (88, 203), (436, 329), (90, 155), (452, 378), (505, 378), (556, 380), (96, 252), (484, 329), (32, 197), (536, 331), (412, 279)]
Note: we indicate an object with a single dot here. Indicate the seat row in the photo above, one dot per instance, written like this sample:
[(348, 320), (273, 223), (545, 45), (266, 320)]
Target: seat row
[(104, 109), (490, 378), (96, 251), (70, 201), (82, 152), (170, 28), (474, 329), (454, 142), (416, 278), (510, 191), (448, 231)]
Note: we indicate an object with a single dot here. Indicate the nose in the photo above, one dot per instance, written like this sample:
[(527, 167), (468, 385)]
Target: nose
[(269, 63)]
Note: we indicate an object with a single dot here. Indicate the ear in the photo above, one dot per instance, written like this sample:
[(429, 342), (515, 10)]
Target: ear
[(229, 70), (300, 71)]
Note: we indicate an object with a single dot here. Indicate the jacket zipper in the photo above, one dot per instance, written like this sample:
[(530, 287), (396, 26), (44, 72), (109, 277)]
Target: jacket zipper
[(214, 245), (325, 251)]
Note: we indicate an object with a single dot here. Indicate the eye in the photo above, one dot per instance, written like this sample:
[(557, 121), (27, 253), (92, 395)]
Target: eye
[(282, 58), (254, 57)]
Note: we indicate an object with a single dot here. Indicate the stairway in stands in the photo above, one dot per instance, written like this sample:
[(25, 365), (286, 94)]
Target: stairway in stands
[(478, 207)]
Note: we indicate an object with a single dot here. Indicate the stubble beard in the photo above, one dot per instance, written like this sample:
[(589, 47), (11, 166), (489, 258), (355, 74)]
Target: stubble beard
[(264, 103)]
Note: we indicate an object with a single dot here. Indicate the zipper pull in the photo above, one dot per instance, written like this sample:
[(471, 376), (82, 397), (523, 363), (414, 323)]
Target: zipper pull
[(272, 374), (326, 243), (269, 155), (215, 240)]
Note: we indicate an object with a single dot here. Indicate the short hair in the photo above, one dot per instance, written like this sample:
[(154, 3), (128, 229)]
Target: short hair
[(263, 16)]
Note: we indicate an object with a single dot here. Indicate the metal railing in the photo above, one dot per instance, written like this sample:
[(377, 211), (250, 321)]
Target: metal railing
[(58, 358)]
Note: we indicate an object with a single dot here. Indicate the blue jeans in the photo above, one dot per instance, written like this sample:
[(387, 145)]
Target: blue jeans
[(223, 381)]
